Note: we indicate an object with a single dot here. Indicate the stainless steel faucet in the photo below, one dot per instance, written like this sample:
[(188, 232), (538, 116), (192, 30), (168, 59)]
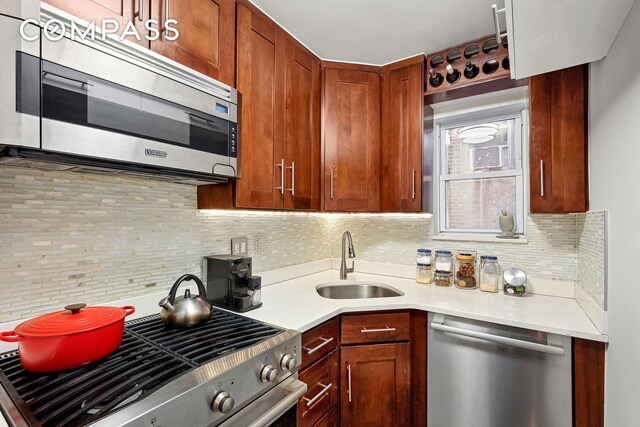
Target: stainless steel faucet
[(346, 237)]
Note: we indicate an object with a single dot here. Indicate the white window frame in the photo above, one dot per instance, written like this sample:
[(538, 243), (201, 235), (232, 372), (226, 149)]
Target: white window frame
[(465, 117)]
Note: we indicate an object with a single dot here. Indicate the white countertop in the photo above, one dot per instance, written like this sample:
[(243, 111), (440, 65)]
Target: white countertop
[(295, 304)]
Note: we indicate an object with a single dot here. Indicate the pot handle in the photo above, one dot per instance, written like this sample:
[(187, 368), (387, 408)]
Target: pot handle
[(10, 337), (129, 310), (174, 289)]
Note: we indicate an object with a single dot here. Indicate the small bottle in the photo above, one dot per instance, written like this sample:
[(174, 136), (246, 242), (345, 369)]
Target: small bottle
[(435, 79), (442, 278), (453, 75), (489, 273), (470, 70), (423, 256), (424, 274), (466, 270)]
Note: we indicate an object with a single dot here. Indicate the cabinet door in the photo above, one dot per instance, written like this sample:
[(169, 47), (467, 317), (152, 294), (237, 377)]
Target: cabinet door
[(122, 11), (558, 142), (351, 115), (261, 182), (401, 143), (302, 129), (207, 35), (375, 384)]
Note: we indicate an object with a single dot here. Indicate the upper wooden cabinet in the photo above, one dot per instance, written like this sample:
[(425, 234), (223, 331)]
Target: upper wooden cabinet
[(558, 142), (207, 35), (401, 138), (280, 118), (207, 29), (351, 139), (122, 11)]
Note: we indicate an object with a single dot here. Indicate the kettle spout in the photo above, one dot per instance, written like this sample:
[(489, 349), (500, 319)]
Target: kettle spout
[(165, 303)]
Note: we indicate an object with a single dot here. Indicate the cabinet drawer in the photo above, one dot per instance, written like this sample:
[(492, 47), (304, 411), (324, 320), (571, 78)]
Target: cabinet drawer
[(319, 341), (322, 390), (330, 419), (369, 328)]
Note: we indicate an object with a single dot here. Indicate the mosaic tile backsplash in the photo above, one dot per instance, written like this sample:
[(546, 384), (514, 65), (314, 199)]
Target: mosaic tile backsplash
[(68, 237), (591, 255)]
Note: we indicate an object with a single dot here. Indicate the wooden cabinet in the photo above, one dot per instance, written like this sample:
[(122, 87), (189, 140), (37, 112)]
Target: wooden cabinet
[(374, 328), (207, 35), (376, 385), (207, 29), (279, 82), (401, 138), (121, 11), (351, 139), (558, 142), (319, 370)]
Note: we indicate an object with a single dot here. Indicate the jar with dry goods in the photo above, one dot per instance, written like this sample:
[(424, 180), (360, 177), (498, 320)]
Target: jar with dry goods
[(465, 277), (442, 278), (424, 274), (489, 273), (443, 261), (423, 256)]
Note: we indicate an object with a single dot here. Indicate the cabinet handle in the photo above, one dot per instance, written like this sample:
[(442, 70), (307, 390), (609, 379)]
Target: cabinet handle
[(331, 186), (314, 349), (349, 381), (325, 388), (140, 12), (541, 178), (413, 184), (166, 14), (385, 329), (281, 166), (293, 178)]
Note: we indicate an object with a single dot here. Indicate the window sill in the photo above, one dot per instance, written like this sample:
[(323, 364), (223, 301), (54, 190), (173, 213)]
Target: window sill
[(479, 238)]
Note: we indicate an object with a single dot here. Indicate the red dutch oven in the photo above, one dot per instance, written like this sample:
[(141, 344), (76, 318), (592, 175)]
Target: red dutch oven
[(69, 338)]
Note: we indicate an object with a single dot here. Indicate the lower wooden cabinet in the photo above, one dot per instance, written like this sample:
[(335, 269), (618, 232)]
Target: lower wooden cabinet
[(330, 419), (322, 390), (376, 385)]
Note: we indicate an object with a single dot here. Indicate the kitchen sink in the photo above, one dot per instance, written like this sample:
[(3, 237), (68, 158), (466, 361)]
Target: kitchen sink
[(352, 289)]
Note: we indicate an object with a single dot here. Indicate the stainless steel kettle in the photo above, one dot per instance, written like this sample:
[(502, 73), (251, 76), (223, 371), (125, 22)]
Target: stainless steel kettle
[(187, 310)]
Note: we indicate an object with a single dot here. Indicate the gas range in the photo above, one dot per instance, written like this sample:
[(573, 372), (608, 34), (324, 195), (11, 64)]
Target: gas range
[(229, 370)]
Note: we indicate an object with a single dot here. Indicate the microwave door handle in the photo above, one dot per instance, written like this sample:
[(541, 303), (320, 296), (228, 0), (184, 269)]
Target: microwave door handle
[(60, 76), (202, 119)]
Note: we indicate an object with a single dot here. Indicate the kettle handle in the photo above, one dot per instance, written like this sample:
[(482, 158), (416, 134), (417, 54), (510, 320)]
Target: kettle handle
[(174, 289)]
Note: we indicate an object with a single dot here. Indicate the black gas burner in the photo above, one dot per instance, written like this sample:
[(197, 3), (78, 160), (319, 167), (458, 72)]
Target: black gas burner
[(150, 356)]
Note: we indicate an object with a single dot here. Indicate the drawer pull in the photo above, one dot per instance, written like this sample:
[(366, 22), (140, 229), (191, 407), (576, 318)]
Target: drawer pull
[(314, 349), (349, 382), (386, 329), (325, 388)]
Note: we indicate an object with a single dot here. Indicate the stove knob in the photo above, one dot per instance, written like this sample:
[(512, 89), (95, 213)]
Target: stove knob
[(288, 362), (223, 402), (268, 374)]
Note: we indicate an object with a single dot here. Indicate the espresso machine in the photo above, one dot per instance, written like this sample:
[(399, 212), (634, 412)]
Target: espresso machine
[(230, 284)]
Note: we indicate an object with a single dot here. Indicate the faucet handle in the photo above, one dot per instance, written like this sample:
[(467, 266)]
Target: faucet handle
[(352, 268)]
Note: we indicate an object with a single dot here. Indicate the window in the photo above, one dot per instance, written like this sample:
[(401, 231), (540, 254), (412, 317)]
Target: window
[(479, 161)]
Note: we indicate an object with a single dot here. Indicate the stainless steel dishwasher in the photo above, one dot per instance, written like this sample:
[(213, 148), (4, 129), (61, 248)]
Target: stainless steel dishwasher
[(487, 375)]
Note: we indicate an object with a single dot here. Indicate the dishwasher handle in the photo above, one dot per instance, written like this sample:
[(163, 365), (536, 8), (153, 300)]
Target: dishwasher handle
[(438, 325)]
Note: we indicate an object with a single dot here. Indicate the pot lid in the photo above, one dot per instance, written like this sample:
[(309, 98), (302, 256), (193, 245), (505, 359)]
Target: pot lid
[(73, 319)]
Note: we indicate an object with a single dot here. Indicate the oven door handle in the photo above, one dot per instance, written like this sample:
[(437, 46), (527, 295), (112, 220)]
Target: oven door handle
[(295, 391)]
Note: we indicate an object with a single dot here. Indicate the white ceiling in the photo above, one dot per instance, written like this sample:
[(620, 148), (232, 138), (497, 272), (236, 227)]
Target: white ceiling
[(381, 31)]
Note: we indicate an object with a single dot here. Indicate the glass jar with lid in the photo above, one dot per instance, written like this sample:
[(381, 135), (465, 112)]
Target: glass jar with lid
[(442, 278), (443, 261), (423, 257), (466, 270), (489, 273), (424, 274)]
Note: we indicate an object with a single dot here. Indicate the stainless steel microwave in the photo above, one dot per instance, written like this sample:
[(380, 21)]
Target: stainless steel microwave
[(107, 104)]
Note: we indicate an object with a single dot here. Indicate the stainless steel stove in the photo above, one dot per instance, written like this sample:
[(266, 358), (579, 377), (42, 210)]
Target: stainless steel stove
[(230, 370)]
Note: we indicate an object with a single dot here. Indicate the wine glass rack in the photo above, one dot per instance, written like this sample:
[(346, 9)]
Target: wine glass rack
[(488, 59)]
